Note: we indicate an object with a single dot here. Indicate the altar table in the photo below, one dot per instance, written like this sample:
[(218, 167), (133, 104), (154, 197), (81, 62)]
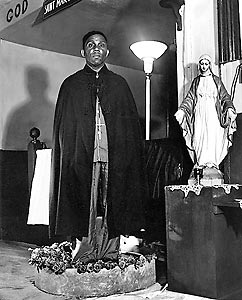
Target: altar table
[(204, 240)]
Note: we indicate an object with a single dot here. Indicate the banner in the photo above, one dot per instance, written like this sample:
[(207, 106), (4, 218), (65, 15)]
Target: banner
[(15, 10), (52, 7)]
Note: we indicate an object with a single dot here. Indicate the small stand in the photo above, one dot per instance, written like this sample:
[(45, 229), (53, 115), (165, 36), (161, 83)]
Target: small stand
[(206, 176), (33, 146), (198, 174)]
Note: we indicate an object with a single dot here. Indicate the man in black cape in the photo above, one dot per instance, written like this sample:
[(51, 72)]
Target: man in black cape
[(98, 186)]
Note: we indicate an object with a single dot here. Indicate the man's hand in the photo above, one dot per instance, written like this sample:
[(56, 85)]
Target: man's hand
[(179, 115), (231, 114)]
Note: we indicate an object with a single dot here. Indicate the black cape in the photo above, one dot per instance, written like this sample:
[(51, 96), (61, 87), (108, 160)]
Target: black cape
[(73, 149)]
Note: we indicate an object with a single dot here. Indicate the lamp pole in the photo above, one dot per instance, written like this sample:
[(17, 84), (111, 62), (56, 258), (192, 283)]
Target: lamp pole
[(147, 106), (148, 51)]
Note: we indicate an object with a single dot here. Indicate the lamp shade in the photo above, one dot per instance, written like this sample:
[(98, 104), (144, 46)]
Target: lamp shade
[(148, 51), (151, 49)]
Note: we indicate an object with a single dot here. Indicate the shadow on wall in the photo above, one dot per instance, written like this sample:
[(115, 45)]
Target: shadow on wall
[(36, 111), (189, 70)]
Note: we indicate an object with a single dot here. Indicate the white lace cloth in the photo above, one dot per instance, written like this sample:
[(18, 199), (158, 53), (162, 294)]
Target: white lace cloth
[(196, 188)]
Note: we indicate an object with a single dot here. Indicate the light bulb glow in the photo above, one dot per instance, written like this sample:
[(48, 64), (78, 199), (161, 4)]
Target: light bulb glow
[(148, 64)]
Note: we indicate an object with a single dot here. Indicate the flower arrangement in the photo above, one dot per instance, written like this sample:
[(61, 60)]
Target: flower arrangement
[(57, 258)]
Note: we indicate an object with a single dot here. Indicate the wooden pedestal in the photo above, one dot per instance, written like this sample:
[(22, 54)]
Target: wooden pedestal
[(204, 242)]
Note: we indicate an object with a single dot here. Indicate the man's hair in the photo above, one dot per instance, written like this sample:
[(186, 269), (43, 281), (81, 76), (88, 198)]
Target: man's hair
[(90, 33)]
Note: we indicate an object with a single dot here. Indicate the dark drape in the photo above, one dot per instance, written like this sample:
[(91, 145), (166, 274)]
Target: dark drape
[(167, 163), (164, 165), (228, 31)]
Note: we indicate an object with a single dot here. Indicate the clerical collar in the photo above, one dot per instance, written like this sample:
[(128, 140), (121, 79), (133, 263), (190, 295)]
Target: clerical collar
[(89, 70)]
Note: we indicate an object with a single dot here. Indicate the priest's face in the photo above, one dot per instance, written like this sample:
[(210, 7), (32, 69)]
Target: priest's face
[(95, 51)]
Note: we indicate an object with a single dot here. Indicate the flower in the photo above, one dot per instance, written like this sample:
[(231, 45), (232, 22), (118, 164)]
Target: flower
[(52, 257), (110, 265), (82, 268), (57, 258), (122, 264), (140, 262), (97, 267), (90, 267)]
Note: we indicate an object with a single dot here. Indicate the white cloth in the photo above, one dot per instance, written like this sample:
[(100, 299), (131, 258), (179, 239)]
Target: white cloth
[(39, 199), (101, 140), (210, 139)]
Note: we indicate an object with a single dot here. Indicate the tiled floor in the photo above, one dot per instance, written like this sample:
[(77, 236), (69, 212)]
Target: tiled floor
[(17, 280)]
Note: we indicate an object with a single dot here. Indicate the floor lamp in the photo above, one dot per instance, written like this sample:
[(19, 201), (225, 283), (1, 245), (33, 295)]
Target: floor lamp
[(148, 51)]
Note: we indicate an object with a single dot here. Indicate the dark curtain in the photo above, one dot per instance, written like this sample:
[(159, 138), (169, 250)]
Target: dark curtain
[(167, 163), (228, 31)]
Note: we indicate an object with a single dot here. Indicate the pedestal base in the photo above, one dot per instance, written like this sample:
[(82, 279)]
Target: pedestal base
[(210, 177), (103, 283), (204, 241)]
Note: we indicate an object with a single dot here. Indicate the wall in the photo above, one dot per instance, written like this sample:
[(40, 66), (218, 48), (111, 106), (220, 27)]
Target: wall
[(29, 84), (198, 36), (30, 79)]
